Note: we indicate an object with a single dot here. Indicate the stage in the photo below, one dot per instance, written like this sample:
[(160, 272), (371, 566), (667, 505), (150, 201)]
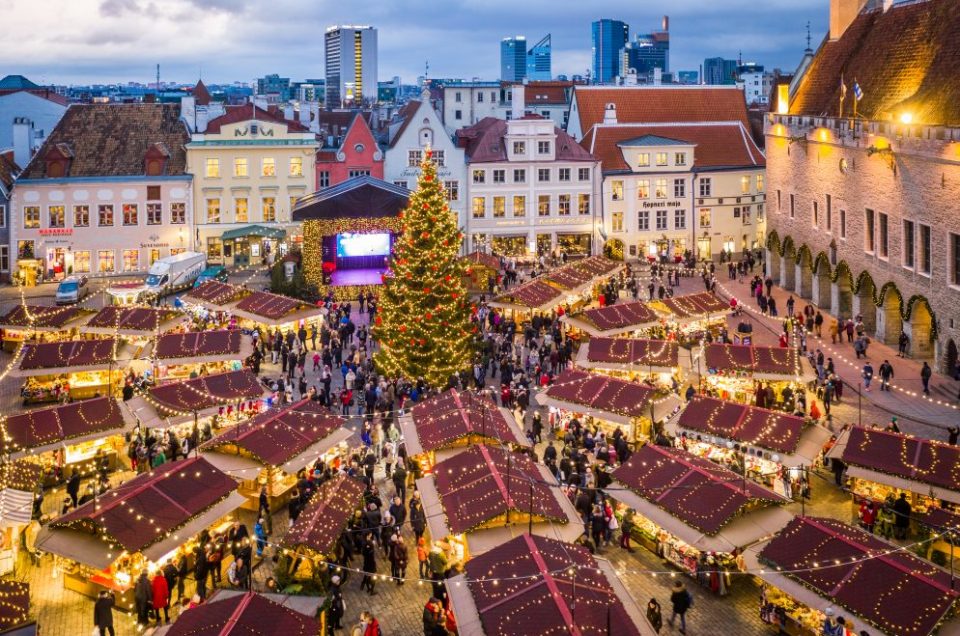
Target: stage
[(356, 277)]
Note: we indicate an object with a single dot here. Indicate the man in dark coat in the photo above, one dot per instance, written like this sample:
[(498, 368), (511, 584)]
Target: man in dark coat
[(143, 598), (103, 613), (902, 510)]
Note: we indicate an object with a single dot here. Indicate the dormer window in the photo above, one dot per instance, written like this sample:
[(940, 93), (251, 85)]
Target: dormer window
[(155, 160), (58, 161), (519, 148)]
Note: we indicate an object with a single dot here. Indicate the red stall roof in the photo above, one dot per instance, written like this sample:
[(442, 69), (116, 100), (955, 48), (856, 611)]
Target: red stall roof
[(533, 577), (40, 316), (326, 515), (269, 305), (129, 319), (534, 294), (783, 361), (70, 353), (37, 429), (486, 260), (198, 344), (15, 608), (619, 316), (580, 272), (243, 615), (476, 486), (692, 305), (773, 430), (207, 391), (696, 491), (453, 415), (602, 393), (634, 352), (915, 459), (878, 581), (214, 292)]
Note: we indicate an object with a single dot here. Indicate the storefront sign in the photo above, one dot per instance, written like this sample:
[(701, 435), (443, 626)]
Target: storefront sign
[(57, 231), (148, 245), (661, 204)]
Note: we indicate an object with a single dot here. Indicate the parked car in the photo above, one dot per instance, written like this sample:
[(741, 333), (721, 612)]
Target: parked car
[(72, 290)]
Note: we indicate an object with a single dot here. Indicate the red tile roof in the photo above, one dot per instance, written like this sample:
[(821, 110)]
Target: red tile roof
[(618, 316), (477, 486), (237, 114), (904, 59), (242, 615), (62, 423), (630, 351), (912, 458), (772, 430), (546, 93), (198, 344), (533, 580), (718, 145), (201, 94), (484, 142), (453, 416), (601, 392), (69, 353), (326, 515), (859, 572), (207, 391), (696, 491), (750, 359)]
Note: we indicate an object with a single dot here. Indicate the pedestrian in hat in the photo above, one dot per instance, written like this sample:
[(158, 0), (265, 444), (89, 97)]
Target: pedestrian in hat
[(681, 600)]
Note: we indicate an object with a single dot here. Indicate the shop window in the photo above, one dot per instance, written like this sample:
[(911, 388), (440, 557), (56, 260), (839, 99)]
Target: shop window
[(105, 215), (214, 247), (56, 216), (31, 217), (105, 262), (131, 260), (81, 262)]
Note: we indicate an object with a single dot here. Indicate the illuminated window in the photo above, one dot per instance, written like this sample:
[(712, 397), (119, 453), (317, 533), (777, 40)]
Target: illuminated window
[(519, 205), (680, 158), (479, 207), (240, 167), (705, 216), (105, 215), (660, 188), (452, 189), (241, 210), (268, 168), (479, 176), (106, 261), (643, 159), (661, 158), (178, 213), (744, 185), (154, 213), (583, 204), (616, 190), (269, 209), (296, 166), (759, 183), (499, 207), (563, 205), (643, 189), (81, 216), (213, 168), (81, 262), (213, 210), (543, 205), (617, 221), (56, 215), (131, 214), (31, 217), (131, 260)]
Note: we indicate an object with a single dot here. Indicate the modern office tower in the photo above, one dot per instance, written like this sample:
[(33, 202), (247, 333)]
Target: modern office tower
[(717, 70), (351, 59), (647, 52), (609, 38), (538, 61), (513, 59)]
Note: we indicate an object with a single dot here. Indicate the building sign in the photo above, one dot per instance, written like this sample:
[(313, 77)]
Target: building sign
[(652, 205), (57, 231), (149, 245)]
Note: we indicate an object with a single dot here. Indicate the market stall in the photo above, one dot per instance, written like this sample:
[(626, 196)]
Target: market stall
[(481, 267), (696, 515), (313, 537), (482, 497), (691, 317), (237, 612), (136, 323), (608, 403), (214, 295), (269, 449), (814, 563), (883, 464), (737, 372), (184, 355), (445, 425), (622, 319), (140, 525), (535, 297), (581, 277), (273, 311), (77, 369), (656, 360), (39, 323), (561, 588), (770, 447), (19, 484)]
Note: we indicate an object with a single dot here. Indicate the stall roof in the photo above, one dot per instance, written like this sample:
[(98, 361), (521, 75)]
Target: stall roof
[(15, 608), (207, 391), (324, 518), (772, 430), (910, 463), (277, 436), (531, 576), (198, 347), (131, 321), (18, 483), (483, 483), (534, 295), (601, 393), (574, 276), (696, 491), (40, 430), (453, 416), (483, 259), (50, 358), (859, 571), (264, 306), (214, 293), (770, 362), (628, 354), (614, 320), (243, 615), (41, 317), (152, 506), (692, 306)]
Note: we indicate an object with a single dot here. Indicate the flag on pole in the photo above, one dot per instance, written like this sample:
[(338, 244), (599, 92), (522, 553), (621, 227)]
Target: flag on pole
[(857, 91), (843, 89)]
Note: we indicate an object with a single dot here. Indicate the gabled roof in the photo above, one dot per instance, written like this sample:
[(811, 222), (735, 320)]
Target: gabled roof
[(904, 59), (247, 112), (206, 391), (654, 140), (326, 515), (453, 418), (405, 115), (201, 94), (360, 197), (242, 615), (112, 140), (485, 142), (17, 82), (718, 144), (8, 171)]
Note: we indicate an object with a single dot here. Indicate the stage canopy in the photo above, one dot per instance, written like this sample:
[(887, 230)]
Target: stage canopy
[(613, 320), (630, 355), (244, 614), (47, 429), (326, 515), (357, 198)]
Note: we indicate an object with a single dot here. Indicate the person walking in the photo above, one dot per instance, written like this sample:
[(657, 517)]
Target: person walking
[(369, 552), (818, 324), (681, 600), (161, 597), (867, 374), (902, 509), (143, 598), (655, 615), (925, 374), (103, 613), (337, 606), (886, 374)]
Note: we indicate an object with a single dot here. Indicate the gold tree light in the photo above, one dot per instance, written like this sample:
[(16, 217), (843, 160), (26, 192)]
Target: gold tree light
[(423, 322)]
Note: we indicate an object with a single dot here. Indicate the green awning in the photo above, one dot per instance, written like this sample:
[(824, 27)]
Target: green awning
[(254, 230)]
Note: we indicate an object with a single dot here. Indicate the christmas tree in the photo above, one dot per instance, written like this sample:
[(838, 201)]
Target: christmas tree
[(423, 320)]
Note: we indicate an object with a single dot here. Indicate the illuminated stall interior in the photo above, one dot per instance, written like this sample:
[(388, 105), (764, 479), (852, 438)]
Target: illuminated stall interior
[(179, 356), (689, 318), (696, 515), (734, 372), (140, 525), (79, 369), (622, 319), (480, 268), (38, 323), (654, 360)]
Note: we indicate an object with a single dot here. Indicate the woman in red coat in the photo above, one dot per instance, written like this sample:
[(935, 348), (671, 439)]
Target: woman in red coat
[(161, 597)]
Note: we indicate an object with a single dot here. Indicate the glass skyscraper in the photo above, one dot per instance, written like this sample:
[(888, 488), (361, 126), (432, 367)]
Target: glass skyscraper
[(513, 59), (609, 38), (538, 61)]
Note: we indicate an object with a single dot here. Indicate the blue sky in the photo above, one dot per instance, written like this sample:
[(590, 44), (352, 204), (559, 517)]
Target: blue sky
[(79, 41)]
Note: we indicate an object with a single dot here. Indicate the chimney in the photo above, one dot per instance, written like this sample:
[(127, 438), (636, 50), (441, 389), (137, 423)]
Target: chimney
[(842, 15), (610, 114), (288, 112), (188, 111), (304, 114), (518, 106), (22, 141)]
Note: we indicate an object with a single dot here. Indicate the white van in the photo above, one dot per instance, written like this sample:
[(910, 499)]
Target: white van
[(72, 290)]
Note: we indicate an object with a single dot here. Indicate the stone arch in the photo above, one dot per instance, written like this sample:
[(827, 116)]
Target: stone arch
[(842, 291), (773, 243), (919, 324), (788, 264), (822, 292), (864, 301), (804, 282), (889, 317), (950, 357)]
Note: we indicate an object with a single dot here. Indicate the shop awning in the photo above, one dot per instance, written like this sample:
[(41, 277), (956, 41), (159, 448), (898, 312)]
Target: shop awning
[(258, 231), (326, 515), (48, 429), (613, 320), (606, 398), (133, 321), (901, 461), (629, 355)]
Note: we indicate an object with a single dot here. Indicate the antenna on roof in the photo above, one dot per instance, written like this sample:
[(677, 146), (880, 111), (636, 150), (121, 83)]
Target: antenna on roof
[(426, 70), (158, 79), (808, 36)]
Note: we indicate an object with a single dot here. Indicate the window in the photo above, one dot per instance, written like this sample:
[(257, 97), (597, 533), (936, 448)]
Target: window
[(829, 213), (153, 193), (815, 219), (843, 224), (31, 217), (154, 213), (268, 167), (414, 157), (153, 257), (241, 210), (643, 159), (479, 207), (453, 190), (884, 236), (358, 172), (925, 245), (438, 157), (955, 259), (81, 262), (679, 220), (563, 205), (458, 114), (519, 205), (519, 148), (563, 174), (213, 169), (520, 176), (660, 188), (323, 179), (81, 216), (643, 220), (616, 190), (499, 176), (543, 175), (106, 261), (131, 214), (909, 244), (213, 210), (583, 174), (736, 212), (869, 232), (269, 209), (705, 186), (296, 166), (779, 203), (25, 249), (679, 188), (583, 204), (661, 219), (457, 97), (704, 217), (643, 189), (293, 203), (746, 215), (240, 167), (131, 260), (680, 158), (479, 176), (105, 215), (3, 216), (214, 247), (402, 184), (499, 207), (56, 216), (543, 147), (760, 184), (744, 185), (479, 96), (759, 212), (178, 213), (4, 258), (661, 158), (792, 206), (617, 221), (543, 205)]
